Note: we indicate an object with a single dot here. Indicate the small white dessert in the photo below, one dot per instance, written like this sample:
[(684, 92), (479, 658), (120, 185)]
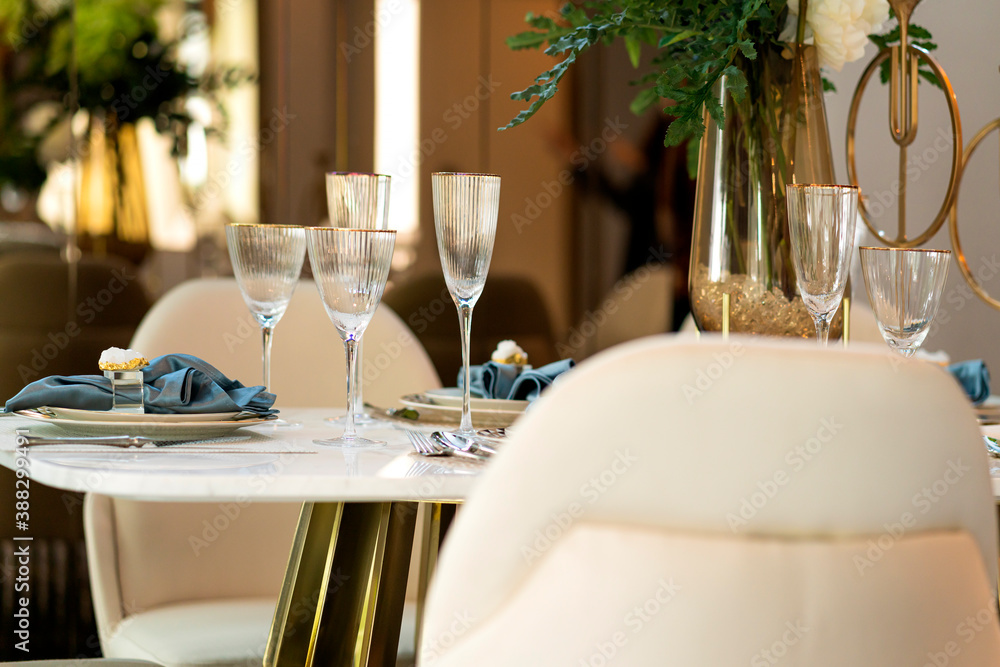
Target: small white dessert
[(117, 359), (509, 352)]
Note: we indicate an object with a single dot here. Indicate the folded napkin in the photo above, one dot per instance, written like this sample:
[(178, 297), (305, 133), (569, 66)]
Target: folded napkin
[(974, 378), (493, 380), (174, 383)]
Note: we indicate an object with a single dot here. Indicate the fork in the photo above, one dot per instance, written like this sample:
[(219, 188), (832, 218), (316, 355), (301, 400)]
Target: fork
[(427, 447), (423, 444)]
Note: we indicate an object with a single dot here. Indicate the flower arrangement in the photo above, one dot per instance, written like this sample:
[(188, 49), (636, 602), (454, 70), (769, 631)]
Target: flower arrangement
[(698, 42)]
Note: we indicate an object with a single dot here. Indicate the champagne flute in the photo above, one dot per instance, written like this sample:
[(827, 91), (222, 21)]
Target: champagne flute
[(821, 222), (350, 267), (267, 261), (465, 219), (904, 287), (358, 201)]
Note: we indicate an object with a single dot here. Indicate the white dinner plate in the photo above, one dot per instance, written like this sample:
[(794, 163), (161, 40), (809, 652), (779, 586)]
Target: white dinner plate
[(486, 413), (173, 429), (452, 397)]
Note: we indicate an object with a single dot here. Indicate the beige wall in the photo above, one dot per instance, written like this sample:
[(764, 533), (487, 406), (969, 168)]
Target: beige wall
[(467, 75)]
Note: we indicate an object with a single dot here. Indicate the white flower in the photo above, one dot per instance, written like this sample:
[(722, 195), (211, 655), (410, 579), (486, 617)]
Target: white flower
[(838, 28), (509, 352)]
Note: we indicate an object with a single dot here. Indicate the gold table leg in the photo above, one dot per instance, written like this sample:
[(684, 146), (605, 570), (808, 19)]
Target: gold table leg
[(342, 598), (436, 522)]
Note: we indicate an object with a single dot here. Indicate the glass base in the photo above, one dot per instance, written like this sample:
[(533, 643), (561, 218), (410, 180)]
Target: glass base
[(360, 419), (349, 442), (282, 424)]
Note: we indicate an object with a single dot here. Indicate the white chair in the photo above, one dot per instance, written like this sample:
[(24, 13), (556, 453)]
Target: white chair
[(640, 304), (749, 502), (159, 593)]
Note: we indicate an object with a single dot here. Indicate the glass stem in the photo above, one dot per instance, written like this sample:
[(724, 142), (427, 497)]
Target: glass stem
[(351, 349), (465, 319), (359, 401), (268, 334), (823, 331)]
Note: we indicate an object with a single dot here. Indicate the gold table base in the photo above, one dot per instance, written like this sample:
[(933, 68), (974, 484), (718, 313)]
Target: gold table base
[(341, 603)]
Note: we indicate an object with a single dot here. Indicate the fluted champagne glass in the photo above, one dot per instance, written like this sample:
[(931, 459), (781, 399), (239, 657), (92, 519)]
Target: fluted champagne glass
[(358, 201), (267, 261), (821, 222), (904, 287), (350, 267), (465, 220)]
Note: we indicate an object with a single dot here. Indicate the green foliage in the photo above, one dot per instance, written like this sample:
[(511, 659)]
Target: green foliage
[(695, 42), (917, 36)]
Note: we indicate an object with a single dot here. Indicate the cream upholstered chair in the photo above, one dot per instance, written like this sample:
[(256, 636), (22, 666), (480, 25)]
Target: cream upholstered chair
[(728, 503), (640, 304), (161, 595)]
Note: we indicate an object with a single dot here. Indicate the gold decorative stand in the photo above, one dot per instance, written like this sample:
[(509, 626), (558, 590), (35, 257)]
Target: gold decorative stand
[(903, 124)]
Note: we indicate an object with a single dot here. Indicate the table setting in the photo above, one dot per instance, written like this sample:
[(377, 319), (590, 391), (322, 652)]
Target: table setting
[(179, 413)]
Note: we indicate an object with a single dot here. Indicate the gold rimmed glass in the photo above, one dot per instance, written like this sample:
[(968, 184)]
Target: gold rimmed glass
[(350, 267), (904, 287), (465, 220), (358, 201), (821, 222), (267, 261)]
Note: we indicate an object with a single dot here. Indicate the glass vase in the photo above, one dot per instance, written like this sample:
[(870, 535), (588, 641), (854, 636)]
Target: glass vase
[(775, 135)]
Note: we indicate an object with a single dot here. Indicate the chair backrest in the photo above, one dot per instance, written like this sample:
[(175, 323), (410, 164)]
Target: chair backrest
[(208, 318), (723, 499), (511, 307), (640, 304), (146, 554)]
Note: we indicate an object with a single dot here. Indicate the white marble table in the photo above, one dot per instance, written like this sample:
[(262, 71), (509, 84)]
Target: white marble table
[(389, 473), (348, 521)]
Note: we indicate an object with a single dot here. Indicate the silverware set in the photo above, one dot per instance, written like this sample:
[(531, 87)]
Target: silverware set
[(440, 443)]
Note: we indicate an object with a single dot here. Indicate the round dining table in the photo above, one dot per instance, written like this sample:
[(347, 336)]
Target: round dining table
[(369, 494)]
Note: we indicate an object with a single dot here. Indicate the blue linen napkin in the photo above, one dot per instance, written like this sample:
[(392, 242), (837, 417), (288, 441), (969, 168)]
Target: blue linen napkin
[(174, 383), (974, 378), (493, 380)]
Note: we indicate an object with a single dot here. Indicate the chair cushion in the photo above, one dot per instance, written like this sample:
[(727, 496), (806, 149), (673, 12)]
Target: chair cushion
[(613, 594), (217, 633)]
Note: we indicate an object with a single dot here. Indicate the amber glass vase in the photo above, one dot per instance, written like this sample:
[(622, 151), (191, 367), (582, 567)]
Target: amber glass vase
[(777, 134)]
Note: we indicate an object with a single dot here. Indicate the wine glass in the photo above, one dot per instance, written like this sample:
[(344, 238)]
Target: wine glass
[(267, 261), (465, 219), (904, 287), (821, 222), (350, 267), (358, 201)]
